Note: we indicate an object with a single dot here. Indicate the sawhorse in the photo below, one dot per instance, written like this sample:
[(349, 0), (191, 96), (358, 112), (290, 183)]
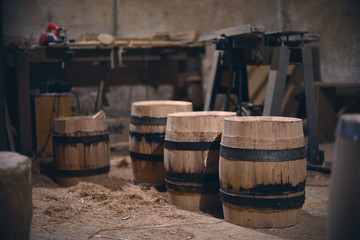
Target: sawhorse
[(276, 87), (246, 45)]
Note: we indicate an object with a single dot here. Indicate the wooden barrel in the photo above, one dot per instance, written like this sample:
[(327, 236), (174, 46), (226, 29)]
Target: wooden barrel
[(81, 149), (344, 195), (15, 196), (262, 171), (191, 158), (147, 134)]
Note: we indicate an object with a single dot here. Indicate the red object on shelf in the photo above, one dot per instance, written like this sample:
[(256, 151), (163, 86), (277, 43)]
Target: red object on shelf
[(49, 36)]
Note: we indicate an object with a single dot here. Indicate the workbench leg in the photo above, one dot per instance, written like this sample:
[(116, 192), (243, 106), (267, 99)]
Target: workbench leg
[(276, 82), (215, 74), (232, 71), (313, 150), (23, 104)]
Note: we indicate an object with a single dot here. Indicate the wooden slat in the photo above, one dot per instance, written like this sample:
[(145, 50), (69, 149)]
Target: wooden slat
[(257, 80)]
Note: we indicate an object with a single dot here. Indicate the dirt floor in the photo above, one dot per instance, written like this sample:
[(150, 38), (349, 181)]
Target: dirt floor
[(117, 209)]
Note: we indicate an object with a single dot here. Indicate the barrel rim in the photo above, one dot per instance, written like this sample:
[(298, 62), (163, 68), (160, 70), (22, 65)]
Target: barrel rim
[(262, 119), (201, 114), (76, 118), (161, 103)]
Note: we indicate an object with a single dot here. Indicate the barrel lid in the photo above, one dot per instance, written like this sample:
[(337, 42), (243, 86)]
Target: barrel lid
[(159, 108), (202, 114), (161, 103), (263, 119), (349, 127)]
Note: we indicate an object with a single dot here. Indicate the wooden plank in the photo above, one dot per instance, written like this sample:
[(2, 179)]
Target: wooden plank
[(294, 87), (188, 36), (46, 108), (230, 32), (157, 43), (311, 114), (336, 84), (257, 80), (276, 83), (329, 106)]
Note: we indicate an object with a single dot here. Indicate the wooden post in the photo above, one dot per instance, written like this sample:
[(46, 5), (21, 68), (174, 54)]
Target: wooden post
[(23, 103)]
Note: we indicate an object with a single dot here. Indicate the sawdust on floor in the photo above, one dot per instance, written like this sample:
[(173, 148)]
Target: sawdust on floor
[(115, 208)]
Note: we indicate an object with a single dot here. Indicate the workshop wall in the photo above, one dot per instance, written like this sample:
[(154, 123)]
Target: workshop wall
[(336, 21)]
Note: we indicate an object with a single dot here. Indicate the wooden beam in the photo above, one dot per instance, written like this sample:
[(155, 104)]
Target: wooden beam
[(23, 103)]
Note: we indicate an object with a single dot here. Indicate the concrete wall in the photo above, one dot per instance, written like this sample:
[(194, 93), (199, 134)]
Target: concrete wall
[(336, 21)]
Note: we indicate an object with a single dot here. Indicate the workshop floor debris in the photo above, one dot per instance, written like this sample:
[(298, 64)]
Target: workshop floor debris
[(117, 209)]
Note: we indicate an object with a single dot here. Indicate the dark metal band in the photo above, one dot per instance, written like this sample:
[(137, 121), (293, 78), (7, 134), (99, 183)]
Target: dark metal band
[(192, 177), (82, 173), (263, 203), (149, 137), (192, 188), (87, 140), (192, 146), (267, 190), (147, 157), (262, 155), (349, 127), (148, 121)]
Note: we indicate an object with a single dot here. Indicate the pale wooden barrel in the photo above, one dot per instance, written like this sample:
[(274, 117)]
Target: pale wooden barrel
[(344, 195), (81, 149), (147, 134), (15, 196), (262, 171), (191, 158)]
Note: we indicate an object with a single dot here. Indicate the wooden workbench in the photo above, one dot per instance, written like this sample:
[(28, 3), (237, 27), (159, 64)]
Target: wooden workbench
[(85, 65)]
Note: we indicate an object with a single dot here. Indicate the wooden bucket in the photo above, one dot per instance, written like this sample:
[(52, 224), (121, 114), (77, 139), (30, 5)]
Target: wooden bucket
[(147, 134), (81, 149), (15, 196), (344, 195), (262, 171), (191, 158)]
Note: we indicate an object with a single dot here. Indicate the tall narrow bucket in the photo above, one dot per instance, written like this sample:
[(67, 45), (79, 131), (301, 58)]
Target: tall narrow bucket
[(147, 134), (191, 158)]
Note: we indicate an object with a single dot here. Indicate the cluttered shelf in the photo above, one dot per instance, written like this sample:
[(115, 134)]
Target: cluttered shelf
[(174, 47)]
